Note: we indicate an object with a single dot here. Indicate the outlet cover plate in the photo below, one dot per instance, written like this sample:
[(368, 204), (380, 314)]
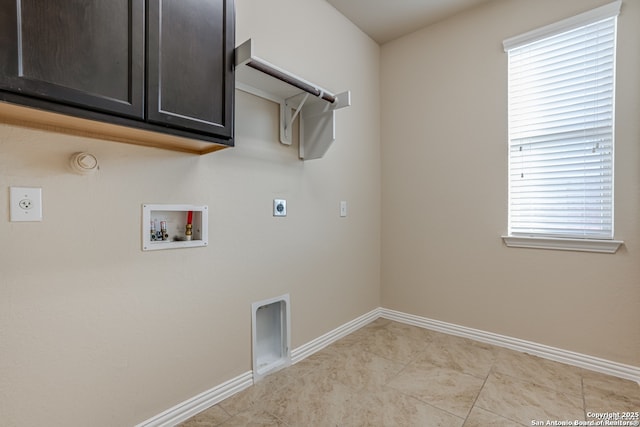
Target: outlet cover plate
[(25, 204), (279, 207)]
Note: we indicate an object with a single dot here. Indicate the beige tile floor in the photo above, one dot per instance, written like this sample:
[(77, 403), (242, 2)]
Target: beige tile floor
[(392, 374)]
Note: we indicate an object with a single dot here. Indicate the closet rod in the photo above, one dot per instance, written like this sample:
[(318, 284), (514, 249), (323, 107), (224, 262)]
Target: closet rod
[(265, 68)]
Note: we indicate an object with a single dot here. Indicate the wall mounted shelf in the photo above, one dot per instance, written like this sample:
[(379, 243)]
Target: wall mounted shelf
[(297, 97)]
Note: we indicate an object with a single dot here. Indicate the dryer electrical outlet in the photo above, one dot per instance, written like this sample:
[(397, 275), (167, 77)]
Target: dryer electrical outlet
[(279, 207), (25, 204)]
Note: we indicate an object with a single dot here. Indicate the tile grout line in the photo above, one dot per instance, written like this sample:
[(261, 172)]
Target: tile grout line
[(478, 395), (544, 386), (404, 367), (584, 399), (491, 370)]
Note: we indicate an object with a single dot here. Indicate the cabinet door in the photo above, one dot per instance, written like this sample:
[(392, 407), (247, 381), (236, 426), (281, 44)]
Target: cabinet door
[(77, 52), (190, 80)]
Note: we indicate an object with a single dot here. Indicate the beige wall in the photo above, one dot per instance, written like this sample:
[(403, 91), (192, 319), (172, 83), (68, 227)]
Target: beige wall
[(444, 134), (93, 331)]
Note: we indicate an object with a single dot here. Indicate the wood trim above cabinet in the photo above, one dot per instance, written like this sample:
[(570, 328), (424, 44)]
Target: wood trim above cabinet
[(19, 115)]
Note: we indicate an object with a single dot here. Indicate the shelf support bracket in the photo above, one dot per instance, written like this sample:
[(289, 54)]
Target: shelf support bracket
[(286, 133)]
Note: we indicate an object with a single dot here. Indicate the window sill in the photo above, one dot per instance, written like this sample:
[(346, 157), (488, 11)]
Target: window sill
[(561, 244)]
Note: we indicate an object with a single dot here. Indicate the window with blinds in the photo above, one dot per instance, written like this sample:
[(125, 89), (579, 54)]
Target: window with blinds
[(561, 118)]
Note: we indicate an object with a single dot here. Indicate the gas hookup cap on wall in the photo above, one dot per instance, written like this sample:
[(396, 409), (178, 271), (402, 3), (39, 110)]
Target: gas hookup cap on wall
[(83, 163)]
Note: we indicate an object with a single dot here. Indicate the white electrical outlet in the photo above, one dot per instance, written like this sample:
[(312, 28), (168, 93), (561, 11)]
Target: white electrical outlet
[(25, 204), (279, 207)]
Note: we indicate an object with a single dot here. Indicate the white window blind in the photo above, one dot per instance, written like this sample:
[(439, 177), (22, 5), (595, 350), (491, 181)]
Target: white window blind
[(561, 117)]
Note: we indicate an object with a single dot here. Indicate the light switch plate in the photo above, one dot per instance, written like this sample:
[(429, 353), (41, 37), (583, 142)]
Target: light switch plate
[(25, 204), (343, 208)]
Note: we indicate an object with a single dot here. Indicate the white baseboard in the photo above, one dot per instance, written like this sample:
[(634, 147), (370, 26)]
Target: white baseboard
[(189, 408), (209, 398), (559, 355), (199, 403), (330, 337)]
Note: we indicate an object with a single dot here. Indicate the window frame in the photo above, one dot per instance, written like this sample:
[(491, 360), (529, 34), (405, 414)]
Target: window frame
[(608, 245)]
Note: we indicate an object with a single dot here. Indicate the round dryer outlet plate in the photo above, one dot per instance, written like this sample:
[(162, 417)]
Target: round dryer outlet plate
[(279, 207)]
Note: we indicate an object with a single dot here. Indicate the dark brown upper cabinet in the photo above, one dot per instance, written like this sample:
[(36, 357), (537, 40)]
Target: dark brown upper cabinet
[(85, 53), (157, 65), (187, 54)]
